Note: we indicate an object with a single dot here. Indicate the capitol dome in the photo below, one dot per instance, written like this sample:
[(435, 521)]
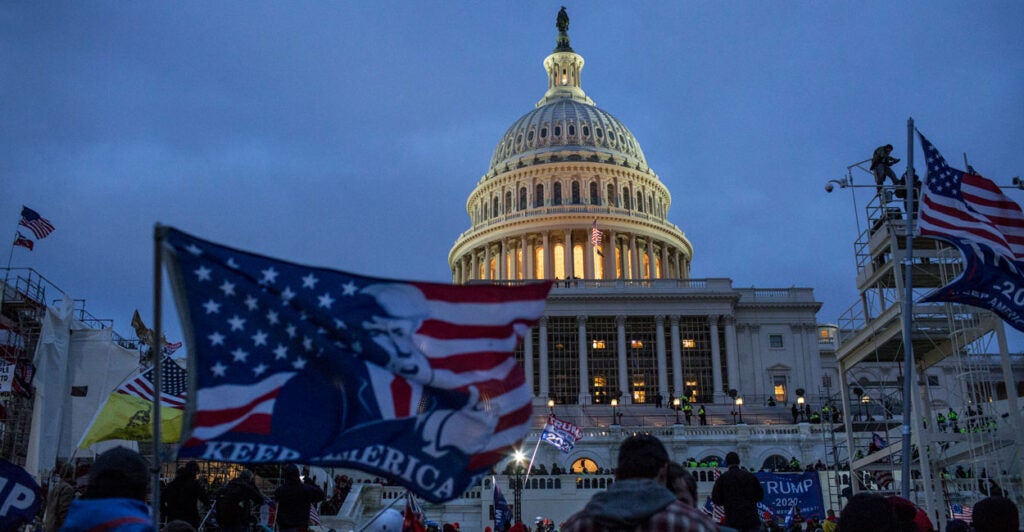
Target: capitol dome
[(568, 194)]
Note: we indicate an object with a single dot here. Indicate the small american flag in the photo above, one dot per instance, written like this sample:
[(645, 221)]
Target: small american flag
[(37, 224), (962, 205), (883, 479), (714, 511), (314, 515), (959, 511), (172, 390), (595, 235)]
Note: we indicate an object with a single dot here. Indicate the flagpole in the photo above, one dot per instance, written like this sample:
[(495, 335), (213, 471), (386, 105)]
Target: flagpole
[(534, 455), (158, 240), (909, 368)]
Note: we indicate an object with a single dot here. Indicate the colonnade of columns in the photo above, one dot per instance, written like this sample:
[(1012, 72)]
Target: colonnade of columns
[(622, 375), (515, 257)]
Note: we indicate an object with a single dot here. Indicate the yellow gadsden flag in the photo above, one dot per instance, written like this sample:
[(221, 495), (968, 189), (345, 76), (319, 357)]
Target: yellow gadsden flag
[(128, 413)]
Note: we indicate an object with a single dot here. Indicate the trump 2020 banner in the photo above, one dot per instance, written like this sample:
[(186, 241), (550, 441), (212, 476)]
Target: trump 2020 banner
[(413, 381), (783, 491), (561, 434), (20, 496)]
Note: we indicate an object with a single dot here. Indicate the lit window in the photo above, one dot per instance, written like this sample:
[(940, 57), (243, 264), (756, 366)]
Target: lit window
[(775, 341), (636, 344), (597, 344), (689, 343)]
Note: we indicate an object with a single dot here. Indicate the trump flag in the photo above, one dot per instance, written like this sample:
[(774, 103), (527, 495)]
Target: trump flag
[(414, 381), (988, 229)]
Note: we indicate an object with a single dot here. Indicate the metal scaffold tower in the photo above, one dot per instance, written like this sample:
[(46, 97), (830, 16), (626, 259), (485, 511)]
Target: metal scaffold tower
[(963, 446)]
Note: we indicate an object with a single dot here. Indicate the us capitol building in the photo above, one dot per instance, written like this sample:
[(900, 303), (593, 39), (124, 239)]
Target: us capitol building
[(628, 338)]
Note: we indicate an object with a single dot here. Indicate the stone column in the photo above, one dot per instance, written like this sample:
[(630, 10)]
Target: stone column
[(549, 265), (716, 359), (542, 342), (659, 350), (664, 261), (634, 255), (581, 330), (487, 261), (677, 358), (652, 268), (609, 256), (528, 360), (620, 335), (731, 357), (588, 259), (528, 271), (476, 266), (679, 264), (502, 260), (569, 262)]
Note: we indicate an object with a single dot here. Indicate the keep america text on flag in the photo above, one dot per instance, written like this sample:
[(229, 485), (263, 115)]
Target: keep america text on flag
[(405, 379)]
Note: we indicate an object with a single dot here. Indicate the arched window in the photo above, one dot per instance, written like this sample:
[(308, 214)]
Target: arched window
[(611, 196), (584, 465), (572, 130), (650, 203), (522, 198), (558, 131), (494, 206), (775, 463), (625, 198), (640, 201), (508, 201), (538, 196), (556, 197), (595, 198), (575, 192)]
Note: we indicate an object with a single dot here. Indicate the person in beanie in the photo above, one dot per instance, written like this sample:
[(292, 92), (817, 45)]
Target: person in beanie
[(294, 498), (638, 499), (114, 499), (738, 492)]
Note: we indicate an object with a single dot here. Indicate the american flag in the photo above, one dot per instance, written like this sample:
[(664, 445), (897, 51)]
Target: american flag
[(714, 511), (963, 205), (173, 386), (37, 224), (314, 515), (374, 350), (595, 235), (883, 479), (959, 511)]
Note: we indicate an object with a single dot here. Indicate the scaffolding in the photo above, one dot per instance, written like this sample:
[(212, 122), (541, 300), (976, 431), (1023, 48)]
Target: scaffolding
[(951, 338), (23, 296)]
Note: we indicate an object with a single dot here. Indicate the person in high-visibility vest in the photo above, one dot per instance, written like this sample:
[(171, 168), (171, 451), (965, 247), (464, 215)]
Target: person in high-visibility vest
[(940, 421), (687, 411)]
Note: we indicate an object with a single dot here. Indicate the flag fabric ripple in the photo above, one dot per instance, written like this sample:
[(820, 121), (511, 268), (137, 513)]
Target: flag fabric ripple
[(413, 381)]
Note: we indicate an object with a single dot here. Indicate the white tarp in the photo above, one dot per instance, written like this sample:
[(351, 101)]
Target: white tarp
[(70, 358)]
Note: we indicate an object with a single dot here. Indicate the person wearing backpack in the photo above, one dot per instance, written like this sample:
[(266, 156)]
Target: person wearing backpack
[(234, 502)]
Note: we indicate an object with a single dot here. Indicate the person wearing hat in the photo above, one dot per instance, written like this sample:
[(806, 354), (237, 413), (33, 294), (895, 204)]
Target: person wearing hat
[(114, 499), (234, 502)]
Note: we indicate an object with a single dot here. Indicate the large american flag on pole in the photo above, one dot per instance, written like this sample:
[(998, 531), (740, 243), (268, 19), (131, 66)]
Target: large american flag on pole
[(414, 381), (986, 226), (37, 224)]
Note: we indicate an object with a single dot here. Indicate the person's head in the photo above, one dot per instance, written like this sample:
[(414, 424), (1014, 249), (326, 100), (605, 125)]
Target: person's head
[(642, 456), (290, 473), (868, 511), (245, 475), (830, 514), (996, 514), (118, 473), (390, 520), (680, 482), (178, 525), (406, 308), (888, 148), (732, 459)]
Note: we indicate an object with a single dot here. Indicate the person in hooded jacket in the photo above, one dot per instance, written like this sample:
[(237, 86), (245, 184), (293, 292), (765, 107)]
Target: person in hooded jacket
[(114, 500), (294, 498), (638, 499), (181, 497)]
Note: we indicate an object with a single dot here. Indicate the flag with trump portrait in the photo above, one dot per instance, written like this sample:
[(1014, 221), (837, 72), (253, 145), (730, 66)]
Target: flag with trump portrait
[(413, 381), (986, 226)]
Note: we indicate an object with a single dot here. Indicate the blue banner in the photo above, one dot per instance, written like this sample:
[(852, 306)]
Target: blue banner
[(783, 491), (20, 496), (989, 281)]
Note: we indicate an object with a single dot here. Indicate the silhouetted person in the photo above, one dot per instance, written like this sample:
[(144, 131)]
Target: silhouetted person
[(738, 491), (868, 511), (638, 499), (881, 162), (181, 497), (996, 514), (115, 499), (702, 415)]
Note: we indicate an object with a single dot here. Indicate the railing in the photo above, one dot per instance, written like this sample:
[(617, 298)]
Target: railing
[(579, 208)]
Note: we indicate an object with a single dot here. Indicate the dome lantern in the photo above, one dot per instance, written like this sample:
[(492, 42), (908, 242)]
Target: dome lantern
[(563, 67)]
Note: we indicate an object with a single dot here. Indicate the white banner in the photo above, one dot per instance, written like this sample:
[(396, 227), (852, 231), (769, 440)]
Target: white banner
[(6, 376)]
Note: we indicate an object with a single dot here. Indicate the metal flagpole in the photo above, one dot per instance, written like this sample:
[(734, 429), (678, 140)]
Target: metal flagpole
[(909, 371), (158, 241)]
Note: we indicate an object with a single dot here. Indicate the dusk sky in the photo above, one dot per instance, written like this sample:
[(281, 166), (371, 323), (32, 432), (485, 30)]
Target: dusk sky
[(350, 134)]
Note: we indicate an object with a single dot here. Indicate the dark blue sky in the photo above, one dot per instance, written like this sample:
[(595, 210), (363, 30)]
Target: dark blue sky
[(349, 135)]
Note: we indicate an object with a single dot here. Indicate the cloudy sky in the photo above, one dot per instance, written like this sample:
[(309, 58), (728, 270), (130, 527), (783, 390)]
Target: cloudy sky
[(349, 134)]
